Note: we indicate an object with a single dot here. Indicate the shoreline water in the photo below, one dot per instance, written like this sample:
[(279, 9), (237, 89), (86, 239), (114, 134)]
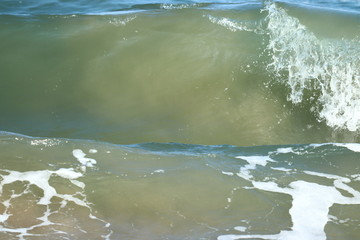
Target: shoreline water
[(179, 120)]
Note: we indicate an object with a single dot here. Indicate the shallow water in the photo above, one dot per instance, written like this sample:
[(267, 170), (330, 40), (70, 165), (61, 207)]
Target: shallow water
[(179, 120), (77, 189), (207, 74)]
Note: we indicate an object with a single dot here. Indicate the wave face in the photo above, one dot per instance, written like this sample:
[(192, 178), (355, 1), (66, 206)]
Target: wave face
[(243, 73), (165, 93)]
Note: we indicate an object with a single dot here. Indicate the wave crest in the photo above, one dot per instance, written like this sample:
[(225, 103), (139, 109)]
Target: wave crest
[(329, 69)]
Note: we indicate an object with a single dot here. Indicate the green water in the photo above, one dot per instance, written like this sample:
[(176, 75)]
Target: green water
[(145, 120), (169, 191), (168, 76)]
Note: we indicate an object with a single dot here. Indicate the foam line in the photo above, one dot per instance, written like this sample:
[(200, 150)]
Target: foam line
[(355, 147), (41, 179), (311, 202)]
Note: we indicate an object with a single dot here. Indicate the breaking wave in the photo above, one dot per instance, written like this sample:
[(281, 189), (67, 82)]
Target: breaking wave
[(322, 72), (329, 69)]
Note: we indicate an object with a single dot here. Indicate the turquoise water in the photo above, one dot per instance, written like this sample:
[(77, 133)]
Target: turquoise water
[(179, 120)]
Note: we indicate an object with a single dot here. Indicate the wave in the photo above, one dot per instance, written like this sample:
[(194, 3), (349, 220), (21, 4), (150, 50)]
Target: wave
[(160, 76), (210, 73), (325, 70), (329, 69)]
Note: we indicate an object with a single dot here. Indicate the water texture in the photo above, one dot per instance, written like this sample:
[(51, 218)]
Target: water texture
[(179, 120)]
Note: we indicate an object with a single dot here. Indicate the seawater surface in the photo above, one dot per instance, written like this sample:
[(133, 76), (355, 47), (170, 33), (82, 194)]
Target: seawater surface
[(180, 120)]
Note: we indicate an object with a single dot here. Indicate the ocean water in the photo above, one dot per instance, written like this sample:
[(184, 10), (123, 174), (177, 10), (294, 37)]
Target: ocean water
[(180, 120)]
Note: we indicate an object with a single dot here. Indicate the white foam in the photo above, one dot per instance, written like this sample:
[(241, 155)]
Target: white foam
[(355, 147), (240, 228), (45, 142), (282, 169), (78, 183), (311, 202), (93, 151), (285, 150), (232, 25), (347, 200), (117, 21), (252, 162), (68, 173), (38, 178), (158, 171), (315, 145), (330, 68), (80, 156), (177, 6), (309, 211), (4, 217), (227, 173), (356, 177), (41, 179), (256, 160)]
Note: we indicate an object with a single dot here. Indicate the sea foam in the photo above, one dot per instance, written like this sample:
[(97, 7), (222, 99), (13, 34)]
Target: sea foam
[(324, 73), (311, 201), (55, 206), (328, 69)]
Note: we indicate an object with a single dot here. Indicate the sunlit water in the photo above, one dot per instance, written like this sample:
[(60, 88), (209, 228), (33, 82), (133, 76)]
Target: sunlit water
[(179, 120)]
